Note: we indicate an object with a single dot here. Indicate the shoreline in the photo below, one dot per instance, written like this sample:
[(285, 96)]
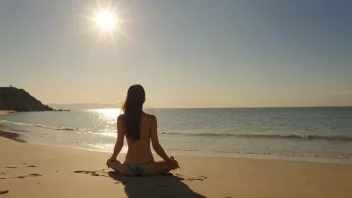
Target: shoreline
[(312, 158), (37, 171)]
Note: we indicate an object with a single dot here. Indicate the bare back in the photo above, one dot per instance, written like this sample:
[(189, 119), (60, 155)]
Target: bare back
[(139, 159), (139, 151)]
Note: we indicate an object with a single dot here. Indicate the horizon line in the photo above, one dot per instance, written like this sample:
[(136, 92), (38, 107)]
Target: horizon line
[(238, 107)]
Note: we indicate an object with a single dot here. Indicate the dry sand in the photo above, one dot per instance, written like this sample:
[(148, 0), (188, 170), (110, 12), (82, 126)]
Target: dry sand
[(38, 171)]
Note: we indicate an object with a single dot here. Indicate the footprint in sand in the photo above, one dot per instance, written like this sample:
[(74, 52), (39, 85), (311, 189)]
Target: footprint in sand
[(30, 175), (102, 173), (199, 178), (34, 175), (4, 191), (22, 176), (12, 167), (92, 173), (196, 178), (190, 178)]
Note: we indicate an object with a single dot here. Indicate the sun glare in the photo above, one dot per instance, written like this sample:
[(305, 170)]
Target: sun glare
[(106, 20)]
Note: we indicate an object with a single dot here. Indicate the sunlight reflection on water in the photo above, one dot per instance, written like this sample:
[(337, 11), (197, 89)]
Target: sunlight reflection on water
[(108, 116), (108, 113)]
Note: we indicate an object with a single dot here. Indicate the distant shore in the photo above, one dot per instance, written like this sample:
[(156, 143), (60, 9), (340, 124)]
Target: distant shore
[(4, 112)]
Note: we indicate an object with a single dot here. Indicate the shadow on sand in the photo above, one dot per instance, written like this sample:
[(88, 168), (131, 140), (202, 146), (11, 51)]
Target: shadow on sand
[(157, 186)]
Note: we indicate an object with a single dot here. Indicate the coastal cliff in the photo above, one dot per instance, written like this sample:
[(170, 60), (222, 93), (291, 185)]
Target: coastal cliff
[(12, 98)]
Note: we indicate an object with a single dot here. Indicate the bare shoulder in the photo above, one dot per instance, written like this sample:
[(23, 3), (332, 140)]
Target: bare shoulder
[(120, 117), (151, 117)]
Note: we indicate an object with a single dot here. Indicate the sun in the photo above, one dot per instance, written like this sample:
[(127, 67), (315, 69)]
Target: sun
[(105, 20)]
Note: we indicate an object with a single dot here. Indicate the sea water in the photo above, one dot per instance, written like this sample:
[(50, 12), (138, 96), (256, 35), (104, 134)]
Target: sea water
[(324, 132)]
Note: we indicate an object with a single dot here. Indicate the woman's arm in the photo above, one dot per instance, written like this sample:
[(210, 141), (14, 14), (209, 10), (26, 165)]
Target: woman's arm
[(155, 140), (120, 137)]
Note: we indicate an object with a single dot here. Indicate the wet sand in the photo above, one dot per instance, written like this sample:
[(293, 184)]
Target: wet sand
[(35, 171)]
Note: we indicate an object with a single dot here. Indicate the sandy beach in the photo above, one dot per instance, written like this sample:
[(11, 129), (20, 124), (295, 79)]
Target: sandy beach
[(36, 171)]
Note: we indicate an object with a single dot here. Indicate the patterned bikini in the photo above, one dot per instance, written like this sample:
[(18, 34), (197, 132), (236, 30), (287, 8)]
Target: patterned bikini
[(137, 169)]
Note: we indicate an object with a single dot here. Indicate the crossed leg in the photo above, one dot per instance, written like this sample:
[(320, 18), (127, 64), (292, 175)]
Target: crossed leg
[(119, 167), (156, 168)]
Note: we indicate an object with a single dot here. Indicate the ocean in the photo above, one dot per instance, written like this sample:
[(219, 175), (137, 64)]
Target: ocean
[(319, 133)]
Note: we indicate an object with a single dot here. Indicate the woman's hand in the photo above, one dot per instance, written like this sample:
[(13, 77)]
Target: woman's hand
[(109, 161), (173, 163)]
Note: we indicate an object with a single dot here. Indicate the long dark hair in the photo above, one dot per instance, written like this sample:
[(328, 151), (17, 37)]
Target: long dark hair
[(132, 110)]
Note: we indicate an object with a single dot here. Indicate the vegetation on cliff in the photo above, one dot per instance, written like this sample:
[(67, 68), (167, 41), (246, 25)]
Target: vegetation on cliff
[(12, 98)]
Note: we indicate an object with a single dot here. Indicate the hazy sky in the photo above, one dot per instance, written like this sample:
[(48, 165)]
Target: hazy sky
[(194, 53)]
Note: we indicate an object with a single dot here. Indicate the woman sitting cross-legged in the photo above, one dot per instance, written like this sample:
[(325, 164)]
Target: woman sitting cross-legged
[(139, 129)]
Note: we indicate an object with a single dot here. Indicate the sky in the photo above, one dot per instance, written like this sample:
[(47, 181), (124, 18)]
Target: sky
[(196, 53)]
